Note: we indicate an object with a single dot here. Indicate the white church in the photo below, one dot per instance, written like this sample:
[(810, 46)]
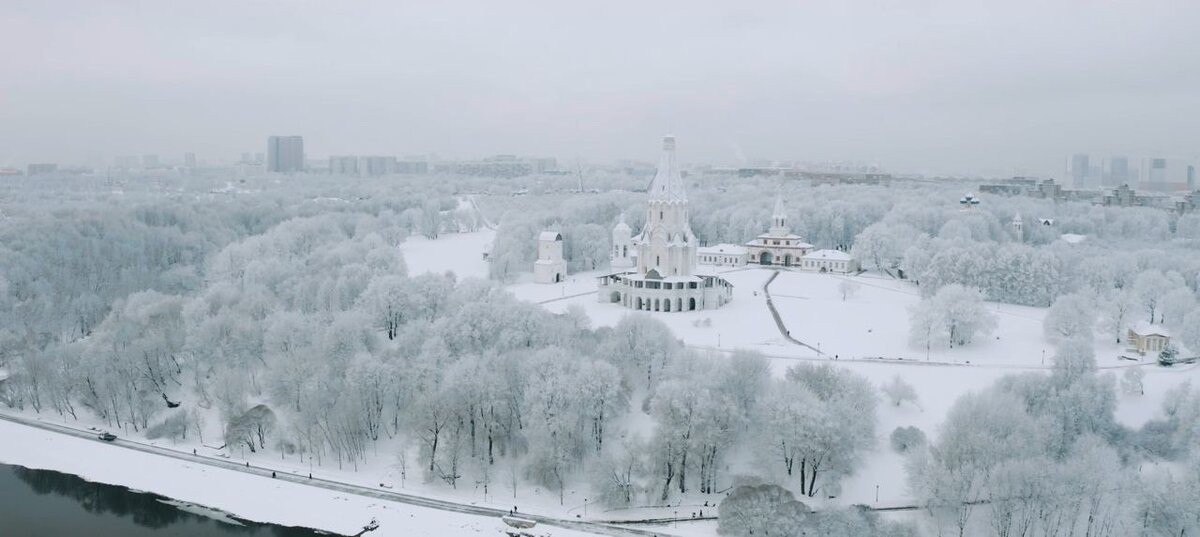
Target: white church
[(550, 266), (663, 274)]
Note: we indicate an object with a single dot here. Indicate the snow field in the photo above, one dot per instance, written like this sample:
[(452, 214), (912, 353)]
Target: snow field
[(873, 323)]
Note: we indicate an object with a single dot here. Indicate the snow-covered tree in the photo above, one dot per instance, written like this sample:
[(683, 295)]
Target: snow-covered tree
[(1071, 316), (1132, 381), (954, 316), (761, 510), (815, 424), (848, 288), (899, 391), (1151, 286)]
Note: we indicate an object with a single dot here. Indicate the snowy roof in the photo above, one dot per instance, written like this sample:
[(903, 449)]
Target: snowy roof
[(731, 249), (1144, 328), (550, 236), (790, 236), (834, 255), (667, 185), (1072, 238), (659, 278), (621, 225)]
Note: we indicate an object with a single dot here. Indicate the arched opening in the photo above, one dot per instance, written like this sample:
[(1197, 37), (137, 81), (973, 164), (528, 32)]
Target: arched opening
[(691, 304), (639, 303), (615, 297), (667, 305), (678, 304), (557, 278), (656, 305), (764, 258), (787, 260), (823, 270)]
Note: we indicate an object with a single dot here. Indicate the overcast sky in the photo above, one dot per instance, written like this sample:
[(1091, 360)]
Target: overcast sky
[(998, 87)]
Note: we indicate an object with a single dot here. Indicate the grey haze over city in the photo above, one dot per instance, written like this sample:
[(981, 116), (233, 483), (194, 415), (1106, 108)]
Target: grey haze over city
[(920, 86)]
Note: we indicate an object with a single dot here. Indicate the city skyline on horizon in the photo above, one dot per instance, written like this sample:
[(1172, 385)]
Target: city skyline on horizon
[(929, 87)]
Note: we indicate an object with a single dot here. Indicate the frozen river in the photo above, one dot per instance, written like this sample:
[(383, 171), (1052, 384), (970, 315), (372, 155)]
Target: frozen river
[(41, 502)]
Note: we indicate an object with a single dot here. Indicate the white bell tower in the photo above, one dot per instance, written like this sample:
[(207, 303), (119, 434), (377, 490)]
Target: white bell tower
[(622, 245)]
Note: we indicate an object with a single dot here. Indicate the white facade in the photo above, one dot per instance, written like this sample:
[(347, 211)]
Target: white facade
[(778, 246), (829, 261), (550, 266), (723, 255), (623, 253), (665, 278)]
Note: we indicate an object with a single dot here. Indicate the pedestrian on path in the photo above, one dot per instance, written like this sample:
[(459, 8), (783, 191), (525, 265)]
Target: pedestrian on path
[(272, 475)]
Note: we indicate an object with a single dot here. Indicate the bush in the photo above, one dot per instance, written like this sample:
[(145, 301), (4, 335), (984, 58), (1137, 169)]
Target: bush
[(761, 510), (1168, 356), (174, 427), (907, 438)]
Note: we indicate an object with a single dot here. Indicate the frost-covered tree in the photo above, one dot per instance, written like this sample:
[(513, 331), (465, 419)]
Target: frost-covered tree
[(1151, 287), (882, 245), (815, 424), (848, 288), (904, 439), (1071, 316), (765, 510), (954, 316), (1132, 381), (1175, 305), (1116, 312), (616, 475), (899, 391)]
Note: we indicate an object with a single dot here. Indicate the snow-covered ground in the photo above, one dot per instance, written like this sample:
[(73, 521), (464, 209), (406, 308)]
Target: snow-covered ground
[(871, 323), (250, 497), (867, 333), (459, 252)]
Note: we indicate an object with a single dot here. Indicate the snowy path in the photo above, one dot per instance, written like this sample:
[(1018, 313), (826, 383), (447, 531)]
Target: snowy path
[(783, 331), (337, 486)]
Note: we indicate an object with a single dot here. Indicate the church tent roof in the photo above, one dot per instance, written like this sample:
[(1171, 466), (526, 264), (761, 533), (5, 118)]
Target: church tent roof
[(667, 185)]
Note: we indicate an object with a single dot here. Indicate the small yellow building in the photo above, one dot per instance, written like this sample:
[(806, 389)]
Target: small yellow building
[(1148, 338)]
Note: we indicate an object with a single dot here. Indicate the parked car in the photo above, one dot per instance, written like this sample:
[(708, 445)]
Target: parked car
[(107, 436)]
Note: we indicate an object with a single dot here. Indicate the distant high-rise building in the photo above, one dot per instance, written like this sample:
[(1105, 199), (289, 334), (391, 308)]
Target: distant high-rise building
[(149, 161), (189, 160), (127, 162), (1118, 172), (412, 166), (1156, 173), (285, 154), (1078, 170), (246, 158), (343, 165), (1161, 174), (37, 169), (377, 165)]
